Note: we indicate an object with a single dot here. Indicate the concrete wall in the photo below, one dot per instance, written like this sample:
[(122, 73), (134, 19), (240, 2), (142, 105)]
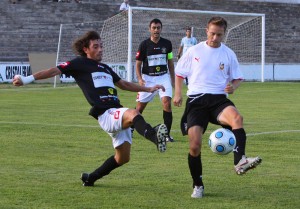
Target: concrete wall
[(33, 25)]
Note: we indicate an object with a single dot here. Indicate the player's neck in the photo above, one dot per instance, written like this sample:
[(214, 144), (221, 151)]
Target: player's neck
[(154, 39)]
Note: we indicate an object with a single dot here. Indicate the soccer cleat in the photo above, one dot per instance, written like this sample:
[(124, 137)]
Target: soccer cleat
[(169, 138), (161, 131), (198, 192), (84, 177), (247, 163)]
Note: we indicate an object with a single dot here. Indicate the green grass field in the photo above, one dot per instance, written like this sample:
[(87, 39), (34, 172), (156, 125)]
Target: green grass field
[(48, 139)]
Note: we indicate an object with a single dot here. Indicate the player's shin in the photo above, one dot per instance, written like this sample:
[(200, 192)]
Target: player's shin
[(143, 128), (239, 150)]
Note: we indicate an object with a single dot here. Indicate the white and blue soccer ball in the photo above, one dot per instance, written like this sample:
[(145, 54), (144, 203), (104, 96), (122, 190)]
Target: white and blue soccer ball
[(222, 141)]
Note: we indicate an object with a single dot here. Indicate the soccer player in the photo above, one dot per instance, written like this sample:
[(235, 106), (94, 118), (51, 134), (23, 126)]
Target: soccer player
[(213, 72), (97, 82), (154, 65), (186, 42), (124, 6)]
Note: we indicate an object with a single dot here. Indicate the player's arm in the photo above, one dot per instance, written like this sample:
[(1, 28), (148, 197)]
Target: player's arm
[(177, 100), (138, 70), (20, 80), (231, 87), (171, 69), (179, 52), (125, 85)]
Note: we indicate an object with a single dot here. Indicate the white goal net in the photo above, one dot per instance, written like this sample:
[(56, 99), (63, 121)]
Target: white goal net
[(122, 33)]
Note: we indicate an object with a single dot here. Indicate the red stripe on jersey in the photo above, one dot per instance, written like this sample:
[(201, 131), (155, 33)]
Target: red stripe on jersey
[(180, 76)]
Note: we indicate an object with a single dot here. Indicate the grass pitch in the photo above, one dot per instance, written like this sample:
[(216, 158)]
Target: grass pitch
[(47, 139)]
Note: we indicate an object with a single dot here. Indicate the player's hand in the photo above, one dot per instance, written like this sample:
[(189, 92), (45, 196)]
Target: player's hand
[(142, 82), (157, 87), (229, 88), (177, 101), (17, 80), (20, 80)]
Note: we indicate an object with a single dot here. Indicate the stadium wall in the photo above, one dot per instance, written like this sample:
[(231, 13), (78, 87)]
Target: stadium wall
[(273, 72), (33, 26)]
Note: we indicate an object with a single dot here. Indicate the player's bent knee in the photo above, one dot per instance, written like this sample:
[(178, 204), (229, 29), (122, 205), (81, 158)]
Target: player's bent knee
[(122, 161)]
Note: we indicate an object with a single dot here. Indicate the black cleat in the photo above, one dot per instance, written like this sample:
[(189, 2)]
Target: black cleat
[(84, 177)]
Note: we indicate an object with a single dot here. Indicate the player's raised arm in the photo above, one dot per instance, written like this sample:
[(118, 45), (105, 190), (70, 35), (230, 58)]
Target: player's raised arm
[(125, 85), (20, 80)]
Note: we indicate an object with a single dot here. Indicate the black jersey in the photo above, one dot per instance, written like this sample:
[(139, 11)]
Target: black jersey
[(154, 56), (96, 81)]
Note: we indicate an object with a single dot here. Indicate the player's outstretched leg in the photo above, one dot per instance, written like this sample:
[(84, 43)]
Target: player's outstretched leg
[(157, 134), (247, 163)]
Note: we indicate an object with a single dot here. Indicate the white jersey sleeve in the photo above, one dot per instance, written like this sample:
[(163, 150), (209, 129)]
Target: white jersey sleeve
[(183, 66)]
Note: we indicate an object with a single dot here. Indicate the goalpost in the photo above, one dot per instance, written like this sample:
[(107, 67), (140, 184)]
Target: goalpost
[(122, 34)]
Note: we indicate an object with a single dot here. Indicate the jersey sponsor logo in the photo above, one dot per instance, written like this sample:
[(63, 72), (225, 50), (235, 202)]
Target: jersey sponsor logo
[(158, 59), (102, 79), (164, 50), (197, 59), (221, 66), (157, 68), (64, 65)]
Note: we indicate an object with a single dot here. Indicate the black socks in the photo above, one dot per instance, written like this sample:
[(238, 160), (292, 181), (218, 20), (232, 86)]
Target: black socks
[(109, 165), (240, 147), (195, 166), (144, 128), (168, 119)]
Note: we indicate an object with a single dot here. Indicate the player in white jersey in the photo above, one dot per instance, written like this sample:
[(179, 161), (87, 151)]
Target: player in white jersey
[(186, 42), (213, 72)]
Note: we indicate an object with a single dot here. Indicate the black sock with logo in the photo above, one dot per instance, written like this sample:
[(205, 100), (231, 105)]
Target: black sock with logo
[(239, 150)]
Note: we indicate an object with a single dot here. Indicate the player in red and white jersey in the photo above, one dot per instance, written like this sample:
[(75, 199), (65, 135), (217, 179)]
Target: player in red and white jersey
[(97, 82), (213, 72)]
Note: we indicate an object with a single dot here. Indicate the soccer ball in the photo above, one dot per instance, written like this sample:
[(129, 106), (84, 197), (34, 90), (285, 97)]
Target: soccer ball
[(222, 141)]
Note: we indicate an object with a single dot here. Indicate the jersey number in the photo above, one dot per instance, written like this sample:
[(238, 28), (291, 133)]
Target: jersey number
[(117, 114)]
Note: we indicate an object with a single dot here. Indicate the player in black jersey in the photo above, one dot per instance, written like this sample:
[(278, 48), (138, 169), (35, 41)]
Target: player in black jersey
[(97, 82), (154, 65)]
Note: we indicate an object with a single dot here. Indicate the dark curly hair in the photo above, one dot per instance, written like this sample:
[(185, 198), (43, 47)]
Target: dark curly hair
[(84, 41)]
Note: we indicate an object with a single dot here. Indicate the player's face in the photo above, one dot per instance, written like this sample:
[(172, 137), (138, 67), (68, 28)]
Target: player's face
[(94, 51), (215, 35), (188, 33), (155, 29)]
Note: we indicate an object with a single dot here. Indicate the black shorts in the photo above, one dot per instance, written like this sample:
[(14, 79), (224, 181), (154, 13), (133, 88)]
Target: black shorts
[(200, 110)]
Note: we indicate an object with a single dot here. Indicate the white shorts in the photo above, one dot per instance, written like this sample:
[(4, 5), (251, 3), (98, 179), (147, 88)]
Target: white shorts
[(150, 81), (111, 122)]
